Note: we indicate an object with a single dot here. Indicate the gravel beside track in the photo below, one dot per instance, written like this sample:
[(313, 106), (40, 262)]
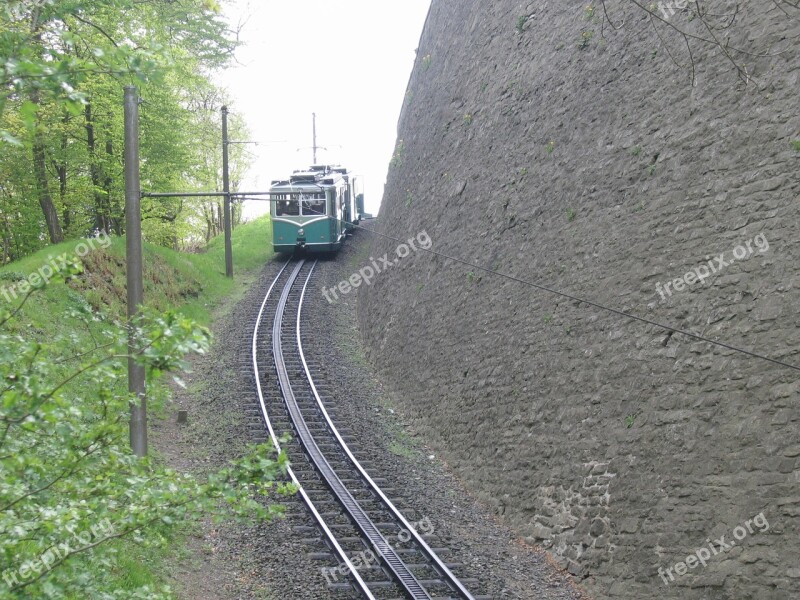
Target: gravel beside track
[(272, 560)]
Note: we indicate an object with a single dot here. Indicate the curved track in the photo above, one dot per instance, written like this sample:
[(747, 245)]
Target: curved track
[(333, 476)]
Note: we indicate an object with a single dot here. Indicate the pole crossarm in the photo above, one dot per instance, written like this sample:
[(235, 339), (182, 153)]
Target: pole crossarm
[(201, 194)]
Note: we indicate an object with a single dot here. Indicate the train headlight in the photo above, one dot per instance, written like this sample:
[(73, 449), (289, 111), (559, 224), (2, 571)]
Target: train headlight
[(301, 231)]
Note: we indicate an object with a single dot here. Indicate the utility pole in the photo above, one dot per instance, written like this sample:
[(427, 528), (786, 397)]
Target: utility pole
[(133, 235), (226, 188), (314, 125)]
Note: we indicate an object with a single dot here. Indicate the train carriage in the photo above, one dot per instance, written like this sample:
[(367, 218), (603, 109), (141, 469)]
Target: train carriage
[(314, 210)]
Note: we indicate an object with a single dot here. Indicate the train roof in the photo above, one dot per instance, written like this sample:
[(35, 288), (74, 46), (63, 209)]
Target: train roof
[(314, 177)]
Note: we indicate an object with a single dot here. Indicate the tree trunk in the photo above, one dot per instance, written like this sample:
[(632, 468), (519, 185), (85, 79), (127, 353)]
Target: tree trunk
[(236, 214), (102, 208), (40, 154), (42, 184), (6, 242), (108, 183), (61, 171), (211, 214), (45, 198)]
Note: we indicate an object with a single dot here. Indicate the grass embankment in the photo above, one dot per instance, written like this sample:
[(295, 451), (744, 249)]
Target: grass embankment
[(194, 284)]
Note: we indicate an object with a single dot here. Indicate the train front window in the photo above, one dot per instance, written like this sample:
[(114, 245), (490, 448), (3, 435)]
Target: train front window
[(287, 206), (314, 204)]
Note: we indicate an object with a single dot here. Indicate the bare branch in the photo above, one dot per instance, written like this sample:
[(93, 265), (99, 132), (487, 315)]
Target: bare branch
[(710, 26), (97, 27)]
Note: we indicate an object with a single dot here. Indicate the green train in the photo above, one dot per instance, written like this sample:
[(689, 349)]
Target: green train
[(315, 209)]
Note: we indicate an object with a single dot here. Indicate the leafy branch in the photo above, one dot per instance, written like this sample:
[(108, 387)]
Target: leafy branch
[(66, 463)]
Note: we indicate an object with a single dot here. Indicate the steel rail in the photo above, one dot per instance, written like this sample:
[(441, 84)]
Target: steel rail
[(359, 582), (438, 564), (368, 528)]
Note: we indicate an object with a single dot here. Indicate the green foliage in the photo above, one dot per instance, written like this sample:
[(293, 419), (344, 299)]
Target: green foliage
[(630, 420), (521, 22), (588, 12), (400, 443), (52, 48), (399, 448), (399, 154), (171, 278), (69, 487), (571, 214), (426, 62), (796, 145), (548, 319), (136, 565), (635, 151), (468, 119), (550, 147), (409, 199), (585, 39)]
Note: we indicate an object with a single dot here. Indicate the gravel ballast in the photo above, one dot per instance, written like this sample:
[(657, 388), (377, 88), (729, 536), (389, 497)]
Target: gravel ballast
[(272, 560)]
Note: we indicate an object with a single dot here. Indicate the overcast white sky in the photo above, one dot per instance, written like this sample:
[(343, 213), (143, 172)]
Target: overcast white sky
[(348, 61)]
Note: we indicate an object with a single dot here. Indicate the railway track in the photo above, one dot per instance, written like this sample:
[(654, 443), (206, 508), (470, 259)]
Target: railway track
[(377, 552)]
